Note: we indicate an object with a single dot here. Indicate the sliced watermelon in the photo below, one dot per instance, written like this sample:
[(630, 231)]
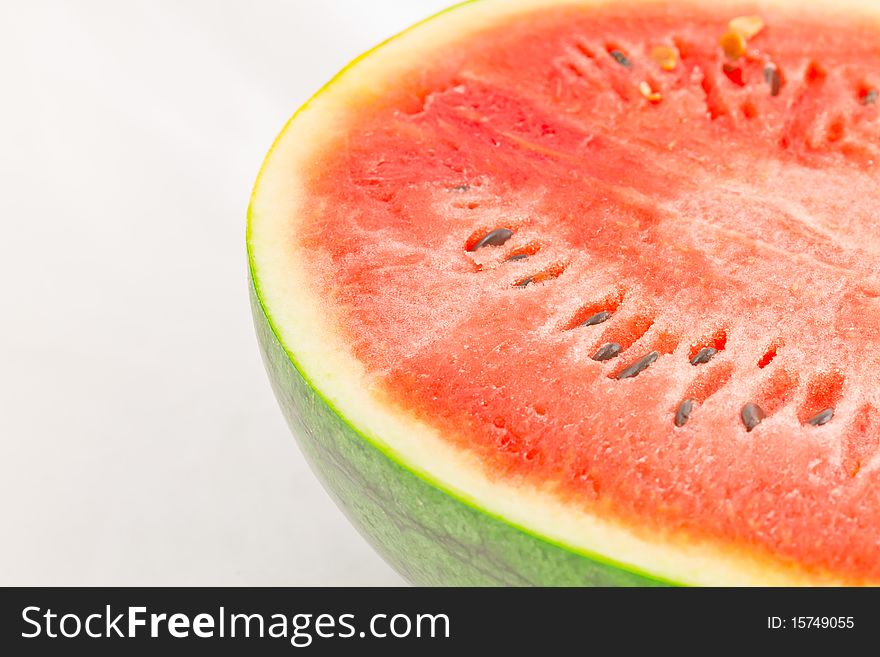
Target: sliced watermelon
[(572, 292)]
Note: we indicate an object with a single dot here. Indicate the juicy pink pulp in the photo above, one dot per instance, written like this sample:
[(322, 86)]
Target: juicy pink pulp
[(717, 214)]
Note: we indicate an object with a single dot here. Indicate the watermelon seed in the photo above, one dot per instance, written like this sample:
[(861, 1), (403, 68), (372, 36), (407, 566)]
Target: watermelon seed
[(665, 56), (648, 92), (752, 415), (598, 318), (496, 238), (748, 26), (733, 43), (772, 77), (460, 189), (584, 50), (518, 256), (607, 352), (870, 98), (683, 412), (822, 418), (621, 59), (704, 356), (525, 282), (639, 366)]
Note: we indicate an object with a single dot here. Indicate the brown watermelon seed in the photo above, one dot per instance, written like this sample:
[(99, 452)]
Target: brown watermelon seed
[(495, 238), (607, 352), (704, 356), (460, 188), (621, 59), (772, 77), (598, 318), (822, 418), (870, 98), (683, 412), (639, 366), (752, 415), (518, 256)]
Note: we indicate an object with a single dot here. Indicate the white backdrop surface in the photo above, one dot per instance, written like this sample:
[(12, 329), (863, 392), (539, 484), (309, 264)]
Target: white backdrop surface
[(141, 444)]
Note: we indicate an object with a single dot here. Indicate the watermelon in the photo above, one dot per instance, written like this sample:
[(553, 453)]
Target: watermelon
[(572, 292)]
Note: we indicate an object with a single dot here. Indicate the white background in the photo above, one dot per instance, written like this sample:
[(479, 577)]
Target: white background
[(141, 444)]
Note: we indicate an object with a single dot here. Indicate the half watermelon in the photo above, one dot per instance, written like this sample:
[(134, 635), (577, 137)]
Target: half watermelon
[(572, 292)]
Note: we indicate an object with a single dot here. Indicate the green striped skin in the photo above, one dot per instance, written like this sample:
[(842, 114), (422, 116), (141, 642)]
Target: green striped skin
[(427, 534)]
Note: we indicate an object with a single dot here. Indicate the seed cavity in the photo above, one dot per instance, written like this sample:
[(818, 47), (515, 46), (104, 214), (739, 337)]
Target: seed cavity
[(704, 355), (524, 252), (773, 78), (709, 382), (626, 331), (608, 303), (598, 318), (495, 238), (552, 272), (684, 412), (734, 74), (779, 390), (769, 355), (639, 366), (822, 418), (752, 415), (583, 49), (620, 58), (607, 352)]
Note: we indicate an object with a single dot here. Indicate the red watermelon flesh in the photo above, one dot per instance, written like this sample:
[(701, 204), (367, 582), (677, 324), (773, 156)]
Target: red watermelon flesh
[(679, 197)]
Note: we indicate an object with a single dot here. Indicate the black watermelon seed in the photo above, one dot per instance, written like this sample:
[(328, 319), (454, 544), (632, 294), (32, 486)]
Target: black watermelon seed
[(460, 188), (822, 418), (518, 256), (598, 318), (704, 356), (607, 352), (752, 415), (639, 366), (496, 238), (772, 77), (871, 97), (621, 59), (525, 282), (683, 412)]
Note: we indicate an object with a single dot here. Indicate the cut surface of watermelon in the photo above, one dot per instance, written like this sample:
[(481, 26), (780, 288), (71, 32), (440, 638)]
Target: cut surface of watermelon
[(610, 272)]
